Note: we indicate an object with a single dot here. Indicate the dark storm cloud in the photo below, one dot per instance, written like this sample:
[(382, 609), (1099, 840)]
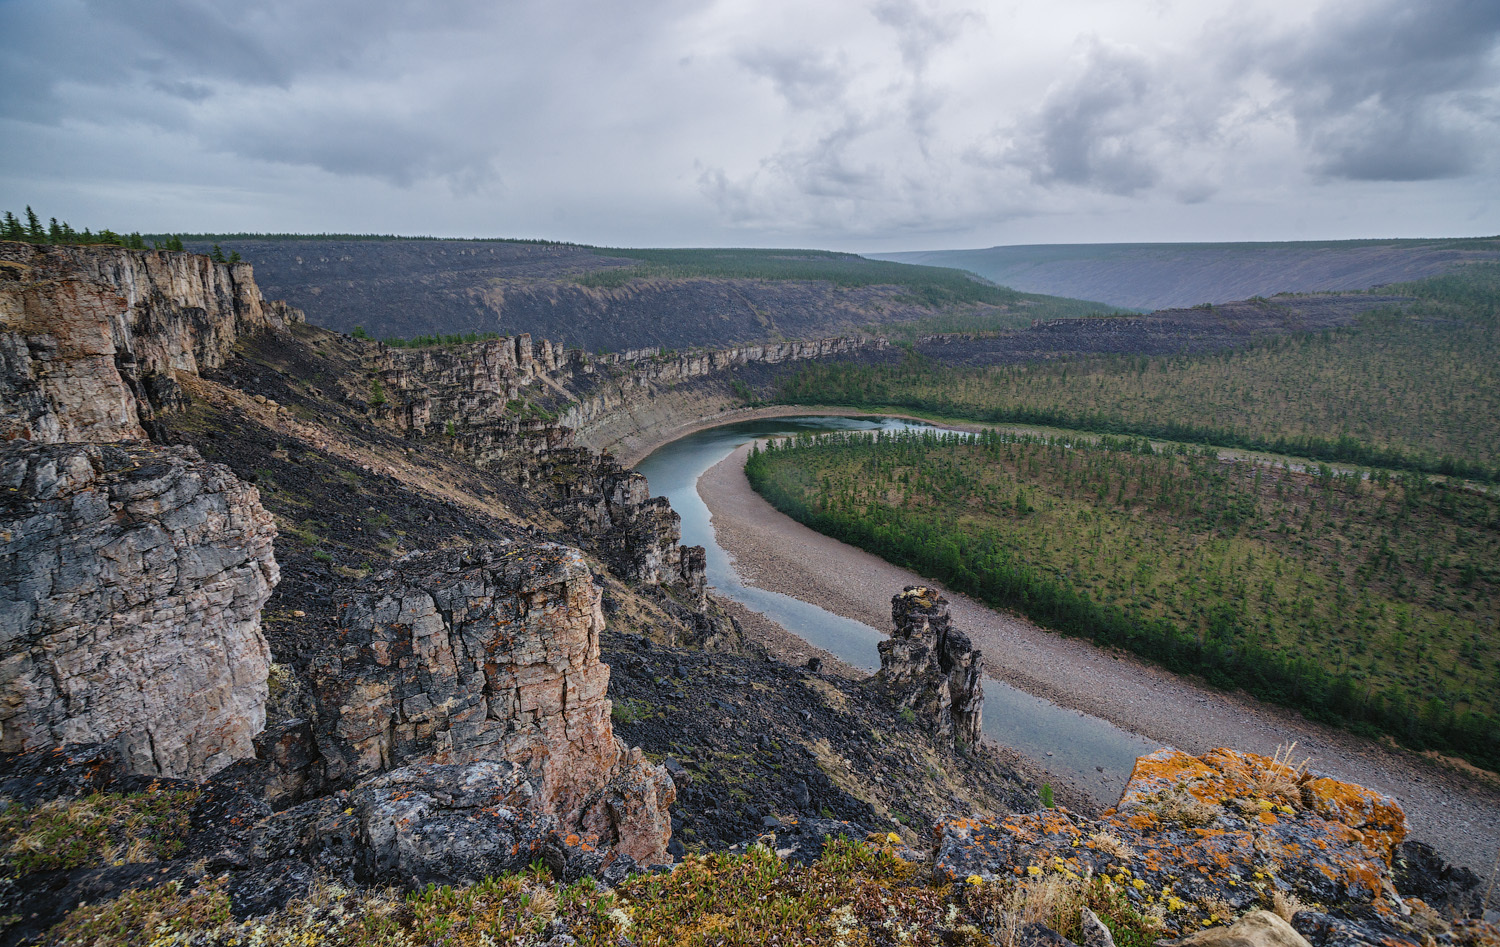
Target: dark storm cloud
[(1397, 91)]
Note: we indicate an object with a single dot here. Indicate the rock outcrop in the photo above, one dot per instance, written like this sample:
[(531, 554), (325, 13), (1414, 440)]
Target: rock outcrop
[(490, 653), (131, 583), (92, 338), (1198, 840), (932, 668)]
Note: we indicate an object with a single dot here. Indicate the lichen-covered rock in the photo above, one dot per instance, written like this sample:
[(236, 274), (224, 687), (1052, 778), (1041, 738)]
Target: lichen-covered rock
[(131, 583), (931, 667), (92, 338), (1197, 838), (1256, 929), (489, 653)]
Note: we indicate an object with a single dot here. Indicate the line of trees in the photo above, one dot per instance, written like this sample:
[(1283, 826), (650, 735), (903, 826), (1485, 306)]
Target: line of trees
[(28, 228), (928, 539)]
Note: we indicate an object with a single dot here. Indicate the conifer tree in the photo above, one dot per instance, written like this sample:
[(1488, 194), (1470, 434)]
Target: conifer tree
[(34, 231), (11, 228)]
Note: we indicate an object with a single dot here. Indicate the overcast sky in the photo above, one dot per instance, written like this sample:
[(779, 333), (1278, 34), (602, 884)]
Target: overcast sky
[(861, 125)]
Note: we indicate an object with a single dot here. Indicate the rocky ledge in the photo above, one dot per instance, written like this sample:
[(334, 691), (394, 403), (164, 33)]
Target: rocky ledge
[(1197, 841), (931, 668)]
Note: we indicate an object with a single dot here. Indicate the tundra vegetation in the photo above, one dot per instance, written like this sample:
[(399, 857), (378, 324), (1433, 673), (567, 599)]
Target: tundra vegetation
[(1415, 387), (1360, 597)]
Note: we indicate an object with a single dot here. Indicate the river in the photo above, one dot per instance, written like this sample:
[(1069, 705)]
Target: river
[(1065, 741)]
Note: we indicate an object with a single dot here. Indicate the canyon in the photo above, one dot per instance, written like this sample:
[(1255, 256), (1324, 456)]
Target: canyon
[(391, 615)]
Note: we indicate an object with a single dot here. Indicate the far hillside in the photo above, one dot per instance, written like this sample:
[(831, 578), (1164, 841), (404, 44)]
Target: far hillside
[(617, 299), (1148, 276)]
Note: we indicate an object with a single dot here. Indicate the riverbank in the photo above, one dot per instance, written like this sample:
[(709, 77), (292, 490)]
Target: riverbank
[(633, 453), (1454, 813)]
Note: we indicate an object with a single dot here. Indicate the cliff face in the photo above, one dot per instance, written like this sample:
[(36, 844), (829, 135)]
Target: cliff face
[(91, 338), (132, 578), (932, 668), (490, 653), (131, 583)]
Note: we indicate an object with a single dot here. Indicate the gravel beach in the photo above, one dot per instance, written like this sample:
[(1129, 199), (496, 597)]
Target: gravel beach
[(1456, 812)]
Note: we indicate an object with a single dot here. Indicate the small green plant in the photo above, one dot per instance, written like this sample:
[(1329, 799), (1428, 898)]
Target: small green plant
[(360, 333), (1046, 793), (450, 429), (100, 827), (377, 392), (907, 716)]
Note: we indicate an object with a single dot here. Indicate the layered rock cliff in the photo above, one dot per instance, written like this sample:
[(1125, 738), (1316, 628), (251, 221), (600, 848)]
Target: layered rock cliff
[(92, 338), (132, 578), (489, 653), (932, 668), (483, 396), (131, 584)]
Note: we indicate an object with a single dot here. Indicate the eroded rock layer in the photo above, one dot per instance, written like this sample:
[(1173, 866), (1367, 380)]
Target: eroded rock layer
[(131, 583), (932, 668), (91, 338), (489, 653)]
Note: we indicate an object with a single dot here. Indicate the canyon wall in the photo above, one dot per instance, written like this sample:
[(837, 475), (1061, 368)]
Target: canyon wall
[(484, 396), (131, 584), (91, 338), (490, 653), (131, 575)]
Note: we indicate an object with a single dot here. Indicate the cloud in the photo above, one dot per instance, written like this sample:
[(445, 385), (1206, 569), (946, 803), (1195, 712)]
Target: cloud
[(1392, 91), (922, 29), (805, 77), (1095, 129), (841, 123)]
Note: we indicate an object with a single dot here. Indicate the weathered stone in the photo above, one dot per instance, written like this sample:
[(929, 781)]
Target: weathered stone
[(92, 338), (1256, 929), (930, 667), (490, 653), (1194, 835), (131, 583)]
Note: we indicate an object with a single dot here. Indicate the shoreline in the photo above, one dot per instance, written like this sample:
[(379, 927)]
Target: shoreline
[(783, 411), (1448, 811)]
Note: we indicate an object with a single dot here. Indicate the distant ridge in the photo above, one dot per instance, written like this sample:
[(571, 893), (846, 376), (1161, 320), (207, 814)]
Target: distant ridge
[(1150, 276)]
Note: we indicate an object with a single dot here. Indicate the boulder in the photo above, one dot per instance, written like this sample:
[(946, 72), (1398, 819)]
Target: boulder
[(1194, 837)]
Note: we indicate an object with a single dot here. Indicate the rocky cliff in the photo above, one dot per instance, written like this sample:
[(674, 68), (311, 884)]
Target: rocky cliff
[(490, 653), (931, 668), (132, 577), (92, 338), (131, 584), (484, 396)]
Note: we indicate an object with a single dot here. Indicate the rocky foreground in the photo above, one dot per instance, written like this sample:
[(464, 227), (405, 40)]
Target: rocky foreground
[(1227, 848)]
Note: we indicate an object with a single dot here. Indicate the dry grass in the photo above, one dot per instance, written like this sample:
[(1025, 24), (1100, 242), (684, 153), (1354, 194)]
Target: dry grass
[(1180, 807), (1282, 778), (1286, 906), (1111, 844)]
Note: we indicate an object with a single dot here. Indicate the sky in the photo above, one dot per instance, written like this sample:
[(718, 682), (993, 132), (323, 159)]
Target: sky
[(876, 125)]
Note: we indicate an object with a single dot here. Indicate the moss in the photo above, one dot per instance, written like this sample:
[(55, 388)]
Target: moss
[(101, 828)]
